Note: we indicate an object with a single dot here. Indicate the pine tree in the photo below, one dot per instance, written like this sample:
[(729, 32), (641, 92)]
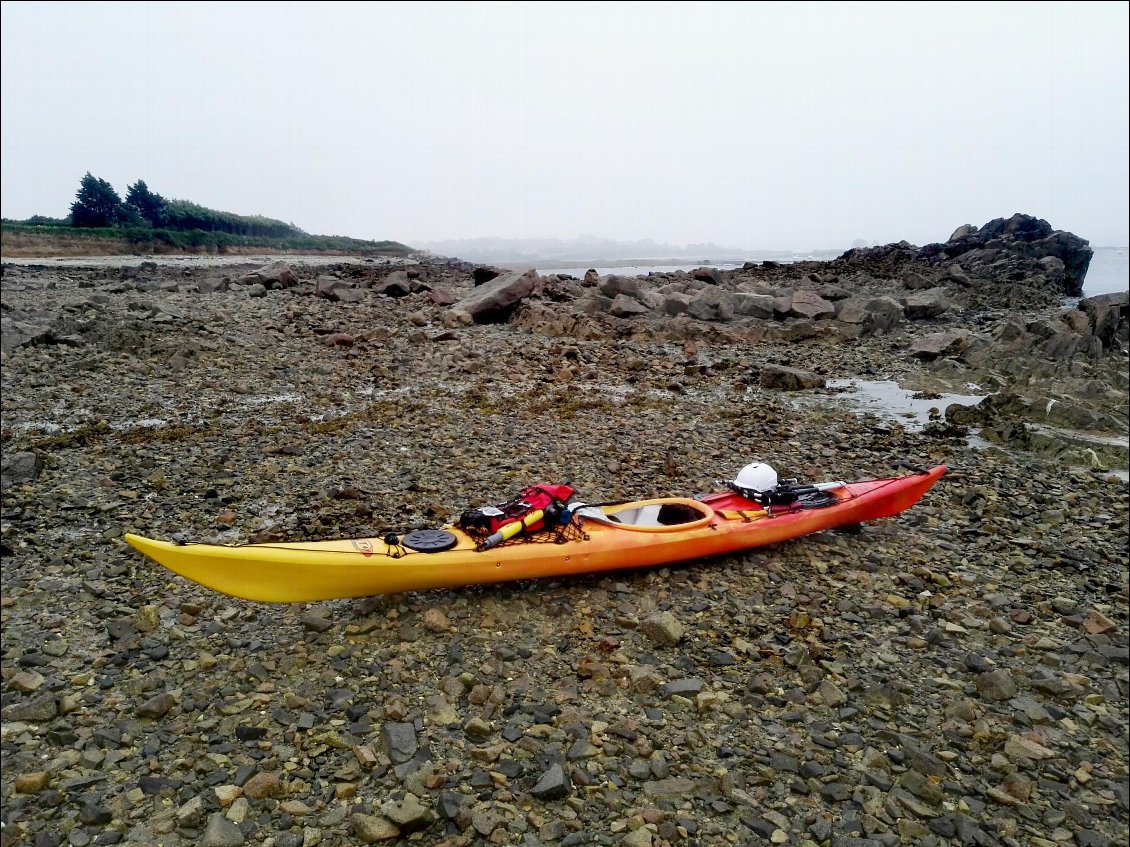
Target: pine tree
[(148, 204), (97, 204)]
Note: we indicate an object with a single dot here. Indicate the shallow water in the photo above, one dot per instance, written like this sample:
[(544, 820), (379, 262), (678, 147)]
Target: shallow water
[(887, 399)]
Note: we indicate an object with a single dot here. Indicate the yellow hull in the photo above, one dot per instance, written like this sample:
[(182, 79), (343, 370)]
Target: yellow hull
[(323, 570)]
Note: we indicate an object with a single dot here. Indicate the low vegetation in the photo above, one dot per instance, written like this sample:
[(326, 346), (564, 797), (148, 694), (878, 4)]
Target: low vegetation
[(147, 222)]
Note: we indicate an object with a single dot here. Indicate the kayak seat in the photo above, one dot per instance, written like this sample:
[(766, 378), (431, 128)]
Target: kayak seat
[(643, 516)]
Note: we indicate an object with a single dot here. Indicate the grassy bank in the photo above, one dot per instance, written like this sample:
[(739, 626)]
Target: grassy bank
[(24, 240)]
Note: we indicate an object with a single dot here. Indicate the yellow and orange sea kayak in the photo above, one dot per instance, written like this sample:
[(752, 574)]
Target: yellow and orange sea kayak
[(626, 535)]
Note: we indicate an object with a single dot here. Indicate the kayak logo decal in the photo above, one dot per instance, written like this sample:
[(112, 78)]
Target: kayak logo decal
[(364, 546)]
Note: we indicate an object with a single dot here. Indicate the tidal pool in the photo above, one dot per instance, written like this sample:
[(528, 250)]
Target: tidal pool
[(885, 398)]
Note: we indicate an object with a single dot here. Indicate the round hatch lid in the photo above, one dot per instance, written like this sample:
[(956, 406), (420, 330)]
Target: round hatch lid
[(429, 540)]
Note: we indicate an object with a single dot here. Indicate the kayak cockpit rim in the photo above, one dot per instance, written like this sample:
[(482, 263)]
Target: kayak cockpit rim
[(661, 514)]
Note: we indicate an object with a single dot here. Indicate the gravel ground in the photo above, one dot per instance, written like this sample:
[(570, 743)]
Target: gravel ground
[(953, 676)]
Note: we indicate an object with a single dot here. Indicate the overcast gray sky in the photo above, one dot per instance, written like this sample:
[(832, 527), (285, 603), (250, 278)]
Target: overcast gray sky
[(774, 126)]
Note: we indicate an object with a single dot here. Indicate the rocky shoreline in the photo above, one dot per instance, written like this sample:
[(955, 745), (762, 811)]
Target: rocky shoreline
[(954, 676)]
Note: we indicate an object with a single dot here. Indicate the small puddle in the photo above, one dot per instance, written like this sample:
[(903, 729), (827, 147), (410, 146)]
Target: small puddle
[(886, 399)]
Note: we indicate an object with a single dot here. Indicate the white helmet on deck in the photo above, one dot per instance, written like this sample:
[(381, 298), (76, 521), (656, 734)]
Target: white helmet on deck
[(757, 476)]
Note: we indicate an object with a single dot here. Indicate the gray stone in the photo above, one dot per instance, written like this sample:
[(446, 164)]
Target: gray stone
[(396, 284), (1108, 316), (372, 829), (409, 815), (687, 687), (711, 304), (212, 285), (614, 285), (400, 741), (939, 344), (624, 306), (20, 333), (711, 275), (220, 832), (552, 785), (831, 694), (477, 729), (997, 685), (32, 710), (925, 304), (676, 303), (329, 287), (157, 706), (272, 276), (663, 629), (784, 378), (313, 622), (873, 314), (955, 273), (17, 468), (752, 305), (809, 304)]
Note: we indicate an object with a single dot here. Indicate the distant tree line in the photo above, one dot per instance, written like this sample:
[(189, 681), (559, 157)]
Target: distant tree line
[(97, 206), (148, 221)]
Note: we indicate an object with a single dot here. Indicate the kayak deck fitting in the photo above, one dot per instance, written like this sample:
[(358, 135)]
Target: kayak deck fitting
[(637, 534)]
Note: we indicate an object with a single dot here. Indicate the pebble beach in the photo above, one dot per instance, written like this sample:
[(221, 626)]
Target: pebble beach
[(956, 675)]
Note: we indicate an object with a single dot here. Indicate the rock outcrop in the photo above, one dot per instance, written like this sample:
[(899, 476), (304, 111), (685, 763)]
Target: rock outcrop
[(1003, 250)]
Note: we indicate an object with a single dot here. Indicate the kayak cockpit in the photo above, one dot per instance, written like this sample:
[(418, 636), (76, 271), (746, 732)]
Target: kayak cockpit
[(667, 514)]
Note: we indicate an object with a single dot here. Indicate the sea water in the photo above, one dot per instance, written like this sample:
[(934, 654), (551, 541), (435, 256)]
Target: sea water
[(1109, 271)]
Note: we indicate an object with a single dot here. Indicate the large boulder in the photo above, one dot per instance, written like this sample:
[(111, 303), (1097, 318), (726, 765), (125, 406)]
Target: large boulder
[(1073, 251), (925, 304), (395, 284), (615, 284), (709, 275), (16, 468), (784, 378), (212, 285), (1070, 345), (22, 332), (624, 306), (941, 344), (809, 304), (337, 290), (273, 276), (493, 301), (676, 303), (752, 305), (873, 314), (1107, 315), (711, 304)]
